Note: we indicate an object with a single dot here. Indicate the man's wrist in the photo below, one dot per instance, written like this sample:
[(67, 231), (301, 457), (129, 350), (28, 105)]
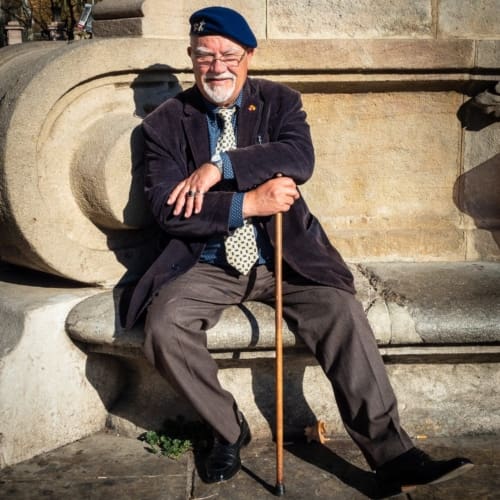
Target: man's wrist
[(246, 206)]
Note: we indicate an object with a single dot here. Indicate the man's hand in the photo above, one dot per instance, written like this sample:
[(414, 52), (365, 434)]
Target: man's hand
[(188, 195), (275, 195)]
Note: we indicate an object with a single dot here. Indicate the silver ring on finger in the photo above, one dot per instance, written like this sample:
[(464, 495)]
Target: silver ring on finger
[(190, 194)]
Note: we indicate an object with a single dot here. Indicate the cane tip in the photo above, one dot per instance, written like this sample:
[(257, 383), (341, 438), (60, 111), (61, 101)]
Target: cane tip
[(279, 490)]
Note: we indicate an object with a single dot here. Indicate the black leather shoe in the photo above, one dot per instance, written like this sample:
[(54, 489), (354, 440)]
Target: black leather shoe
[(223, 461), (415, 467)]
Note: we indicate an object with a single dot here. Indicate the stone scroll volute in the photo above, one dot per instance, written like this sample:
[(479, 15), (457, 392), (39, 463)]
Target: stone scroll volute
[(71, 201)]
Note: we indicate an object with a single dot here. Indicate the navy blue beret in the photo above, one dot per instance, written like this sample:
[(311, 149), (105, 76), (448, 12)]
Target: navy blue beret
[(222, 21)]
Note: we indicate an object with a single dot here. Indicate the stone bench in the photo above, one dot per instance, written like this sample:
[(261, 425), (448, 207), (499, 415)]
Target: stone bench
[(437, 326), (417, 305)]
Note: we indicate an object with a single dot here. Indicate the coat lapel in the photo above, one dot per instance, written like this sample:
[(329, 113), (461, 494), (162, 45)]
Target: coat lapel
[(249, 116), (196, 128)]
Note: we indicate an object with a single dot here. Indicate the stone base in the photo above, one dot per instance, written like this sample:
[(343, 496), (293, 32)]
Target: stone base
[(435, 399), (48, 397)]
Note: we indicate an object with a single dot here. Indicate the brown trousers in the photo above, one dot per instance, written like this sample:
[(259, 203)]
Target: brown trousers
[(331, 322)]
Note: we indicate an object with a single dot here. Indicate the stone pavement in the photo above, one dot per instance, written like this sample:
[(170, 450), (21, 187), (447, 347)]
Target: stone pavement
[(106, 466)]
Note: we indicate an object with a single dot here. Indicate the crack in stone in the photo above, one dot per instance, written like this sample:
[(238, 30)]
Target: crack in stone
[(381, 289), (190, 476)]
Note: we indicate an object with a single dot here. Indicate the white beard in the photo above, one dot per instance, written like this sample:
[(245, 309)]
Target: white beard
[(219, 94)]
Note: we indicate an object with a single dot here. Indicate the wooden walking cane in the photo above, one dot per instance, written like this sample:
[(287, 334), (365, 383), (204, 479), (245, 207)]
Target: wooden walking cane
[(278, 270)]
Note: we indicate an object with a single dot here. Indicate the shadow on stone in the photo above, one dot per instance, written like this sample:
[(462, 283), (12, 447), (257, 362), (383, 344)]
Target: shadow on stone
[(482, 110), (267, 486), (477, 194), (12, 273), (108, 377), (473, 118), (477, 191), (296, 407), (355, 477), (151, 87)]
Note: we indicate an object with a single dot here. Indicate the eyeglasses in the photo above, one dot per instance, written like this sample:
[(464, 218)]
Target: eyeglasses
[(230, 60)]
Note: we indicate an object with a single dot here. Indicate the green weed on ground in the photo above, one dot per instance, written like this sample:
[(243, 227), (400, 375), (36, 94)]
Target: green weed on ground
[(176, 437)]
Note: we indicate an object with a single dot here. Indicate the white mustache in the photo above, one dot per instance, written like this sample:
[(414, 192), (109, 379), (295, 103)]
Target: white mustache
[(219, 76)]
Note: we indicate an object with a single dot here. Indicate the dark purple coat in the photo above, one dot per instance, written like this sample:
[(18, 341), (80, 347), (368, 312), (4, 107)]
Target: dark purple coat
[(273, 136)]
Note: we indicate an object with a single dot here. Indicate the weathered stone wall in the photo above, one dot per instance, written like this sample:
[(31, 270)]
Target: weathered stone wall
[(318, 19), (396, 156)]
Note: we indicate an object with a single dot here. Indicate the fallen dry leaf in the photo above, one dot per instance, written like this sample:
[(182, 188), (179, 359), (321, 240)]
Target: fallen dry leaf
[(316, 432)]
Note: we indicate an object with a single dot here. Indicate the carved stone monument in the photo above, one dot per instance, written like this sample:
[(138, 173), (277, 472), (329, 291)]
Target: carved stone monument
[(406, 175)]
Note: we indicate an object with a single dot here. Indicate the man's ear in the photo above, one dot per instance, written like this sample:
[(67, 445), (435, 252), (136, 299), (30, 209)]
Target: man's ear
[(189, 51), (250, 53)]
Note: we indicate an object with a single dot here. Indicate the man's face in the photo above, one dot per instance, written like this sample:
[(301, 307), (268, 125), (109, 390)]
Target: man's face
[(220, 82)]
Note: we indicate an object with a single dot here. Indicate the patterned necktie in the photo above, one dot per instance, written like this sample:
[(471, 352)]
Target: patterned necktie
[(241, 247)]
